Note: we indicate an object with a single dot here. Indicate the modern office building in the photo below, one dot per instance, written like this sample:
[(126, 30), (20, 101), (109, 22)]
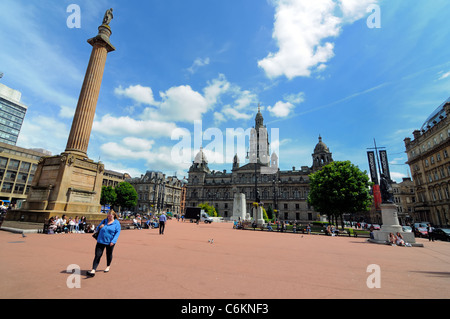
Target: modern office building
[(12, 114), (429, 162)]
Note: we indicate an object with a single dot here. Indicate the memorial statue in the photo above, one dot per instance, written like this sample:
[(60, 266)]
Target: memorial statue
[(108, 16)]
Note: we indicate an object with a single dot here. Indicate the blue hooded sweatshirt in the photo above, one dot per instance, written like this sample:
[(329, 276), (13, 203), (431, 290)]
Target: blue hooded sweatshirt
[(108, 233)]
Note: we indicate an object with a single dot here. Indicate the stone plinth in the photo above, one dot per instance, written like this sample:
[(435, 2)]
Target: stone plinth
[(67, 184), (391, 225), (258, 215), (239, 207)]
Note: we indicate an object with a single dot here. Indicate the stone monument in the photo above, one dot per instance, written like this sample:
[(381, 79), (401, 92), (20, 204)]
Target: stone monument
[(258, 215), (70, 183), (391, 225), (239, 207)]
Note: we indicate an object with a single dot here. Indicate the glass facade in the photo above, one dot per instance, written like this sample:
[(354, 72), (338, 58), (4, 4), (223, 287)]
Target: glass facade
[(11, 119), (17, 169)]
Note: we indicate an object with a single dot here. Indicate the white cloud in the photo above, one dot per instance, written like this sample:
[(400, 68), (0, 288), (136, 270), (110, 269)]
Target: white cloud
[(179, 103), (398, 177), (303, 29), (138, 93), (285, 108), (444, 76), (66, 112), (295, 98), (197, 64), (281, 109), (127, 126), (354, 10), (37, 132), (231, 112)]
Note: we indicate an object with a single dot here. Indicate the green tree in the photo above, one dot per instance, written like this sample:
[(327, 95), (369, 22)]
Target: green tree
[(270, 214), (209, 209), (126, 195), (108, 196), (338, 188)]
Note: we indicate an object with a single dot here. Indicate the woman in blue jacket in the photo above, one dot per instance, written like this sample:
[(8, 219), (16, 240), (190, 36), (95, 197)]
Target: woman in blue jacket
[(108, 233)]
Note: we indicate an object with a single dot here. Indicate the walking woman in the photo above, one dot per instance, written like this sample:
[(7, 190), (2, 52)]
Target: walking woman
[(108, 233)]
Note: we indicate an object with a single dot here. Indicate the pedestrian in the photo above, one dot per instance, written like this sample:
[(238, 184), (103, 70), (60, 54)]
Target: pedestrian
[(108, 233), (162, 223), (430, 233)]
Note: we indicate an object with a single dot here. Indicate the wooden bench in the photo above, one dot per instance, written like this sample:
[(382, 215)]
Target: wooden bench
[(127, 224)]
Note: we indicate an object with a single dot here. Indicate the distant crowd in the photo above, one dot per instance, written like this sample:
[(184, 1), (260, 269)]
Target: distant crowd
[(59, 225)]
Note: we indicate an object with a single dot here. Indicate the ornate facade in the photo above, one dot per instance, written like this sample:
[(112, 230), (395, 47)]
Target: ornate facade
[(429, 162), (285, 192), (158, 193)]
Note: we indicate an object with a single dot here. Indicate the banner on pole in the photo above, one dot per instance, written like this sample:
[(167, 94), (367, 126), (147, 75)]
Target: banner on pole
[(372, 167)]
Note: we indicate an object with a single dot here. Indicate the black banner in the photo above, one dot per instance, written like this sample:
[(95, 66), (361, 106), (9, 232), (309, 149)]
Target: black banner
[(385, 165), (372, 167)]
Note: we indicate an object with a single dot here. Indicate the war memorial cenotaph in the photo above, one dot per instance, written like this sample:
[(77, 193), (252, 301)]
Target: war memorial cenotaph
[(70, 183)]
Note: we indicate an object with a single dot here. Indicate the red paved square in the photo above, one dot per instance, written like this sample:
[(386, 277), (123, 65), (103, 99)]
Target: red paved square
[(182, 264)]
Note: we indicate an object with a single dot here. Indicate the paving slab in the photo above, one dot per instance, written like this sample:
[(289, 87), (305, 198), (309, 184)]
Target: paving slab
[(238, 264)]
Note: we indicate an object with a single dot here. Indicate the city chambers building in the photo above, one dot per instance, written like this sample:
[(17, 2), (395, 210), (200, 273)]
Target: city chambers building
[(284, 192), (429, 162)]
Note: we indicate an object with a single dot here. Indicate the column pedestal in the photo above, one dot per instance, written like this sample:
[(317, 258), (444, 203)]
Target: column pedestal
[(391, 225)]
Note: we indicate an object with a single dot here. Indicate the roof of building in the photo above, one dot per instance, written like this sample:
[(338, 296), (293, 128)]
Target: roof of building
[(435, 117)]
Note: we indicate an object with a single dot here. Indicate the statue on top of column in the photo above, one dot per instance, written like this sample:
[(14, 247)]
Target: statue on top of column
[(108, 16)]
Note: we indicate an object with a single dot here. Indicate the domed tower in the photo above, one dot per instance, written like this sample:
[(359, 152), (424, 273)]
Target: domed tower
[(259, 120), (196, 179), (199, 168), (321, 156)]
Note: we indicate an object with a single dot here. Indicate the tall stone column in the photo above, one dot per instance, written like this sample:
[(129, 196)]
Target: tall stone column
[(80, 132), (70, 183)]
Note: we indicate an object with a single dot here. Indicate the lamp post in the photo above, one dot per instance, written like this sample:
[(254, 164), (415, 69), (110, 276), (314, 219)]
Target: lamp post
[(275, 197)]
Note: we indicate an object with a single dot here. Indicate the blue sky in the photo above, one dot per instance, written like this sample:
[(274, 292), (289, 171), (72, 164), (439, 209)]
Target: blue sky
[(315, 67)]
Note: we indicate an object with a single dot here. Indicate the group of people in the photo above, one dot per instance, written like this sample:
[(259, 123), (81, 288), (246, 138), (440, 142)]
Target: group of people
[(331, 230), (397, 240), (152, 222), (58, 225)]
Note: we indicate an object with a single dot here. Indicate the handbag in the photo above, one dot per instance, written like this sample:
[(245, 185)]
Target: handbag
[(95, 234)]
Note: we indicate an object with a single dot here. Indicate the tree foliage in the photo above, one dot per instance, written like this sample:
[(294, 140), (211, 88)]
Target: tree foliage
[(338, 188), (108, 196), (126, 195), (209, 209)]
